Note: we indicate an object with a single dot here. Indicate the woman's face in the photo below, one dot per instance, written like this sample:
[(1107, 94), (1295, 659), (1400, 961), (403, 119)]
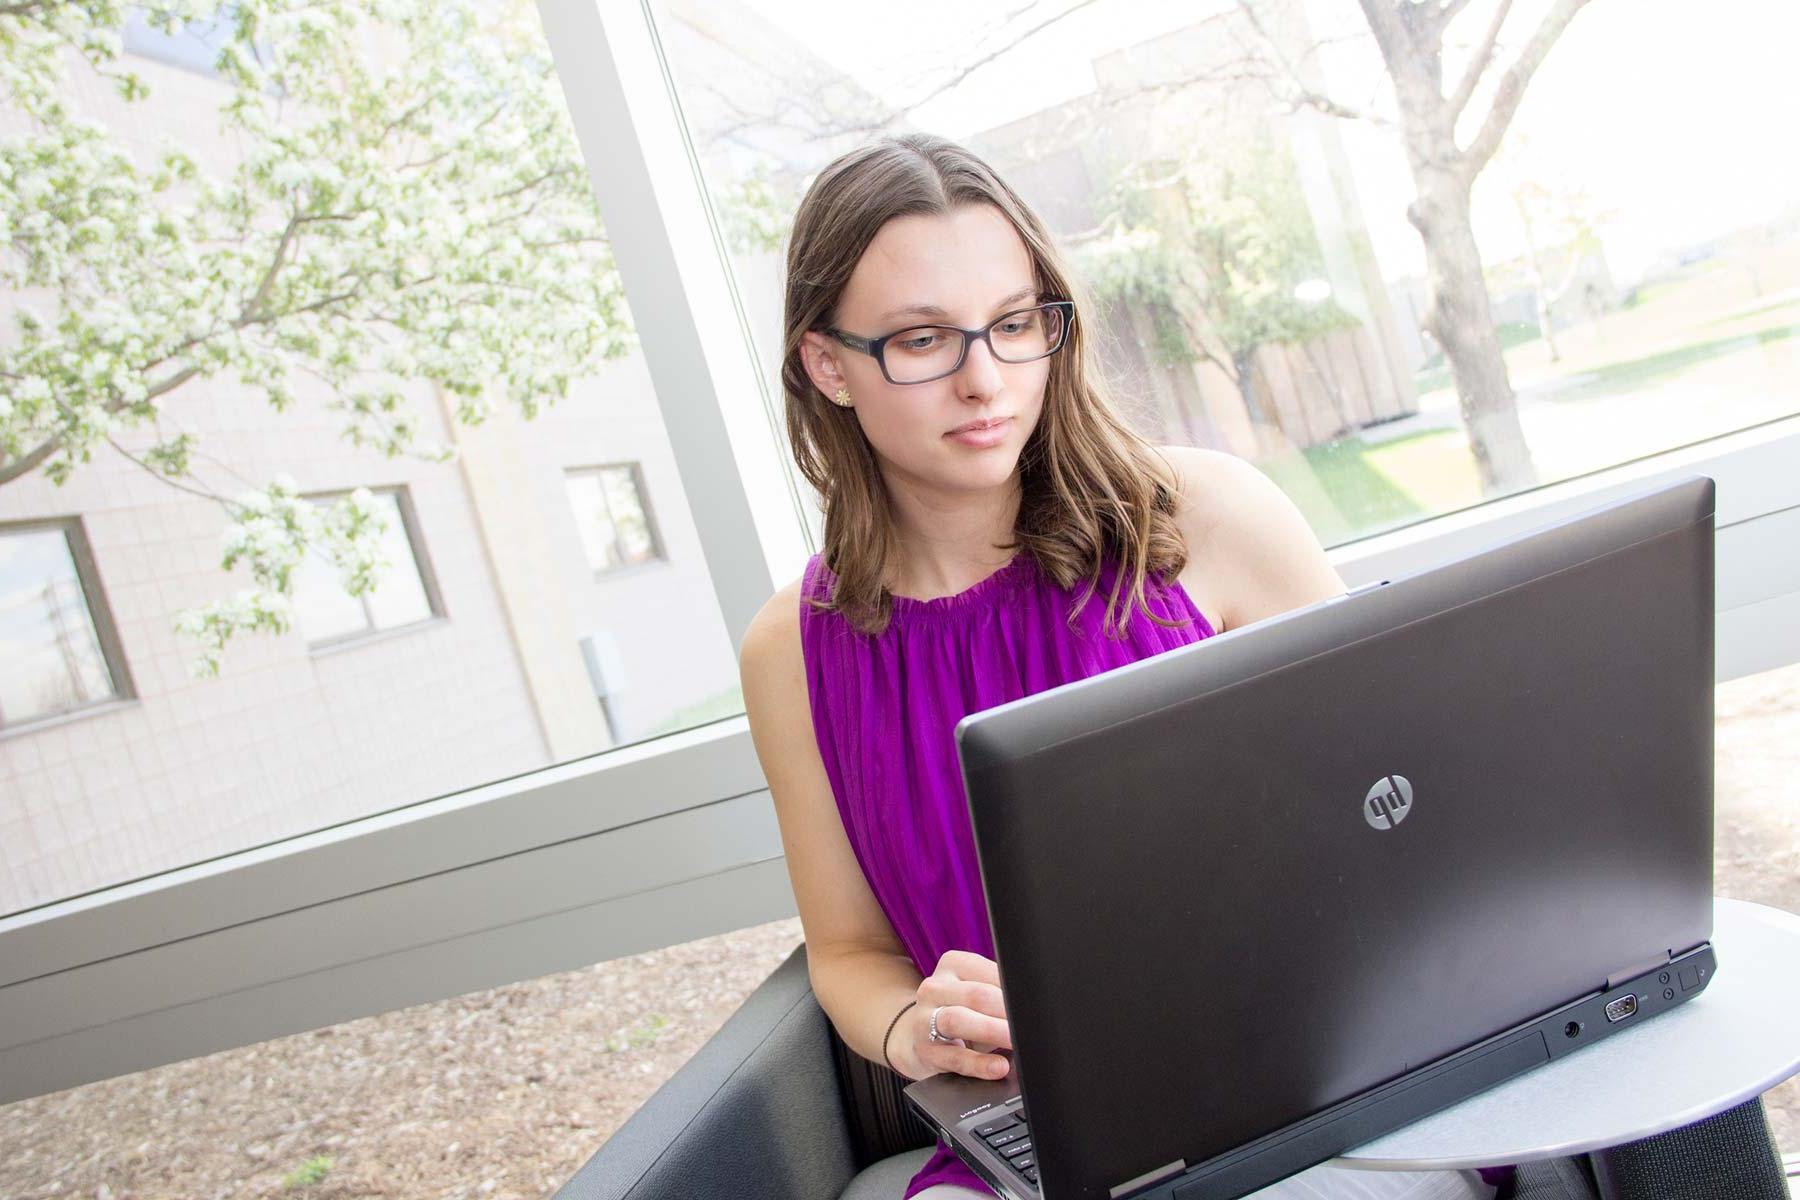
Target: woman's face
[(964, 268)]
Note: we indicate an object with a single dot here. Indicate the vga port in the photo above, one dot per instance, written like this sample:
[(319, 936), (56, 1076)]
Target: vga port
[(1621, 1008)]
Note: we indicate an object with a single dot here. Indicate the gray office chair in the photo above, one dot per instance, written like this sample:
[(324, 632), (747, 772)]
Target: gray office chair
[(776, 1107)]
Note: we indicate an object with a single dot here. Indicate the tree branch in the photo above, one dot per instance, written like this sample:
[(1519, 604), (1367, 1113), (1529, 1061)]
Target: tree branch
[(24, 466), (164, 477), (1448, 12), (552, 173), (1304, 95), (166, 385), (1511, 88), (261, 297), (1484, 51), (970, 68)]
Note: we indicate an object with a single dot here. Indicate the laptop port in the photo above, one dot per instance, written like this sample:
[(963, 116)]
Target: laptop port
[(1621, 1008)]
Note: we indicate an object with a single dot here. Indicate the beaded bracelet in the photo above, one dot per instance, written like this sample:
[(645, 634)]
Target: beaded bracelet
[(890, 1033)]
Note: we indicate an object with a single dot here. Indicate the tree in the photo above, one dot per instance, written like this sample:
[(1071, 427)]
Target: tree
[(1214, 243), (1411, 36), (409, 208), (1558, 220)]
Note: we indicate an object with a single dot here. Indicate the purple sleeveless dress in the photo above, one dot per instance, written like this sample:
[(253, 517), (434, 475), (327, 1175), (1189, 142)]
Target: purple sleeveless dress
[(885, 711)]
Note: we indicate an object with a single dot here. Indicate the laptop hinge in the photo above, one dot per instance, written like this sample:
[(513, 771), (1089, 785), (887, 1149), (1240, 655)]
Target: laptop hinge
[(1625, 974), (1148, 1179)]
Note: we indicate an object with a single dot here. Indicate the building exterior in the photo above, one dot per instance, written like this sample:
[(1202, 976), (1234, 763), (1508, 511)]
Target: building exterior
[(554, 562)]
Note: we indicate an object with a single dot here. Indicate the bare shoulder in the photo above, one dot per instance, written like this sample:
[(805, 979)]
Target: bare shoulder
[(774, 632), (1250, 549), (771, 667), (1217, 488)]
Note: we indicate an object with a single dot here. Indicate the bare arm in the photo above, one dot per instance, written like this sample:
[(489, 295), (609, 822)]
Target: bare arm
[(860, 972)]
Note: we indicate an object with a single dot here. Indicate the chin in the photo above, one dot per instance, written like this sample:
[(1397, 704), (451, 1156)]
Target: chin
[(988, 471)]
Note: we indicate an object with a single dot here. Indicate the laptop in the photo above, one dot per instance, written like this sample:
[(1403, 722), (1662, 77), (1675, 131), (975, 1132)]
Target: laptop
[(1263, 898)]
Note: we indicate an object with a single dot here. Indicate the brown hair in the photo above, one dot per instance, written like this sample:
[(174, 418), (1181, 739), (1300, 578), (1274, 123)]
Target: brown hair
[(1090, 487)]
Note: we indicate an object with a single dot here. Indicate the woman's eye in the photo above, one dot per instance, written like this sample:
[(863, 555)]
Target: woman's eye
[(1015, 326), (922, 342)]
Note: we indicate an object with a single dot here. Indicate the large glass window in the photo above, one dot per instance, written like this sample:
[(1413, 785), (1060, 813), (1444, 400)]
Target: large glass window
[(52, 659), (250, 266), (1269, 276)]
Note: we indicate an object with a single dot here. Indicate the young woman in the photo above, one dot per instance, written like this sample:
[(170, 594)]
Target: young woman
[(991, 529)]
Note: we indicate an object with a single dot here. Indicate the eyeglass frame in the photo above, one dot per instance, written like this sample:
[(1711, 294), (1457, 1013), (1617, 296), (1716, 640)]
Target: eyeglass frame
[(874, 347)]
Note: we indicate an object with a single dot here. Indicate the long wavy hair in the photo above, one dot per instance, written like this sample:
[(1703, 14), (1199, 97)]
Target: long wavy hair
[(1090, 487)]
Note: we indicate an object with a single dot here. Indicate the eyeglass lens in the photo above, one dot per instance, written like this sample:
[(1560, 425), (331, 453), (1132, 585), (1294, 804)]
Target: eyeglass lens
[(931, 351)]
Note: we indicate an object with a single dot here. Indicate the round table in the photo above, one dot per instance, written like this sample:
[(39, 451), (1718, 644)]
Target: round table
[(1733, 1042)]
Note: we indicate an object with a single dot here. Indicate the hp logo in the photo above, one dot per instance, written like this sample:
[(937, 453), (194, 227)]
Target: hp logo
[(1388, 802)]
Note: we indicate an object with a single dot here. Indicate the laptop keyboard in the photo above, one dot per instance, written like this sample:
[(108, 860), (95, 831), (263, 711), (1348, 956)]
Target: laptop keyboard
[(1010, 1138)]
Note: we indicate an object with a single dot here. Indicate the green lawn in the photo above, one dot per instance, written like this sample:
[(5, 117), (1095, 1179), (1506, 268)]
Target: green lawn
[(1349, 489), (1630, 374)]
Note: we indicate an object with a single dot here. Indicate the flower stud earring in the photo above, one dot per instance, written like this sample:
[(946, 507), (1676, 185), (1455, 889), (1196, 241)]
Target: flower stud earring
[(842, 399)]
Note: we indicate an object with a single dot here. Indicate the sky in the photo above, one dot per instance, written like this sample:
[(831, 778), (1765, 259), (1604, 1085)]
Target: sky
[(1678, 119)]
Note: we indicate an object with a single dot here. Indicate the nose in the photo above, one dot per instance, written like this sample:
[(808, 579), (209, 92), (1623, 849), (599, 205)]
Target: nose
[(979, 375)]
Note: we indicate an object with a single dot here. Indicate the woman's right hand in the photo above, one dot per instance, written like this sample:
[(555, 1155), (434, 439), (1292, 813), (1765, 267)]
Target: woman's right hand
[(968, 986)]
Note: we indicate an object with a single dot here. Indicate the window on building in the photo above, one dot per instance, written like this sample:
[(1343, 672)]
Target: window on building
[(325, 610), (191, 45), (54, 628), (613, 516)]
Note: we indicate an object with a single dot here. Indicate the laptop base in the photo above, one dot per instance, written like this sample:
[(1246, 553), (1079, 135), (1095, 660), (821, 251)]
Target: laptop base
[(945, 1100)]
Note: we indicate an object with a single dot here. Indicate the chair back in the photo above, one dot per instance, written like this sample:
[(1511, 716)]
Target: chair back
[(881, 1123)]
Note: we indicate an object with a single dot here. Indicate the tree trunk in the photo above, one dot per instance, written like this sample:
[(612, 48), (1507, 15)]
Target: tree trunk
[(1243, 370), (1461, 318)]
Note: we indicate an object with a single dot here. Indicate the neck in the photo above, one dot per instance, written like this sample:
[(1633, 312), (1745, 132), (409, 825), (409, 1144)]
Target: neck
[(949, 543)]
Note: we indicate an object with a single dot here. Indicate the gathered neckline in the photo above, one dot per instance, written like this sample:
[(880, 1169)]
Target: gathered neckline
[(1000, 582)]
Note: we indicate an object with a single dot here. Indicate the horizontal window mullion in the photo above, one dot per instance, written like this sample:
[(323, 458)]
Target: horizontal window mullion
[(640, 857), (610, 790)]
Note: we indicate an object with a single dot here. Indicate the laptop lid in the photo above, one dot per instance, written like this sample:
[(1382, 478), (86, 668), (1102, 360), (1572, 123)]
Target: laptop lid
[(1238, 882)]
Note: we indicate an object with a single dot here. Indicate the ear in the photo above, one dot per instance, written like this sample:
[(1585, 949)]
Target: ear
[(818, 354)]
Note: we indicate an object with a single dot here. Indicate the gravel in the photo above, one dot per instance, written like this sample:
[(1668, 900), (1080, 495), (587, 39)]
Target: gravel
[(505, 1093)]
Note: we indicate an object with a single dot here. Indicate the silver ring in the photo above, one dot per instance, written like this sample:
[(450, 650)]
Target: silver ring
[(935, 1035)]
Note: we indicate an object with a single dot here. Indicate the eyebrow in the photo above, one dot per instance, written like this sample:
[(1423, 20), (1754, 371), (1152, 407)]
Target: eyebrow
[(932, 310)]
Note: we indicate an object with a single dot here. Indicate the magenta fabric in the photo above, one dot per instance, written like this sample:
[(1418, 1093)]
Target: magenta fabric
[(885, 711)]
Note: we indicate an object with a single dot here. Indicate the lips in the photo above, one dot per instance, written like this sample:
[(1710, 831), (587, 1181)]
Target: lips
[(988, 423)]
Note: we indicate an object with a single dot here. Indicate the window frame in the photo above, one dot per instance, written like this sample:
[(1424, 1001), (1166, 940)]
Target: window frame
[(658, 547), (421, 558), (661, 841), (99, 611)]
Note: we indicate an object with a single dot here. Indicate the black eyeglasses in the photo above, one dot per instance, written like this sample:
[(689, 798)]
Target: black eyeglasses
[(922, 353)]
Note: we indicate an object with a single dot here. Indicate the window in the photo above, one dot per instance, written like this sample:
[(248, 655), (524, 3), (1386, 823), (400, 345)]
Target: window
[(53, 659), (1231, 184), (614, 520), (192, 45), (397, 196), (326, 611)]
